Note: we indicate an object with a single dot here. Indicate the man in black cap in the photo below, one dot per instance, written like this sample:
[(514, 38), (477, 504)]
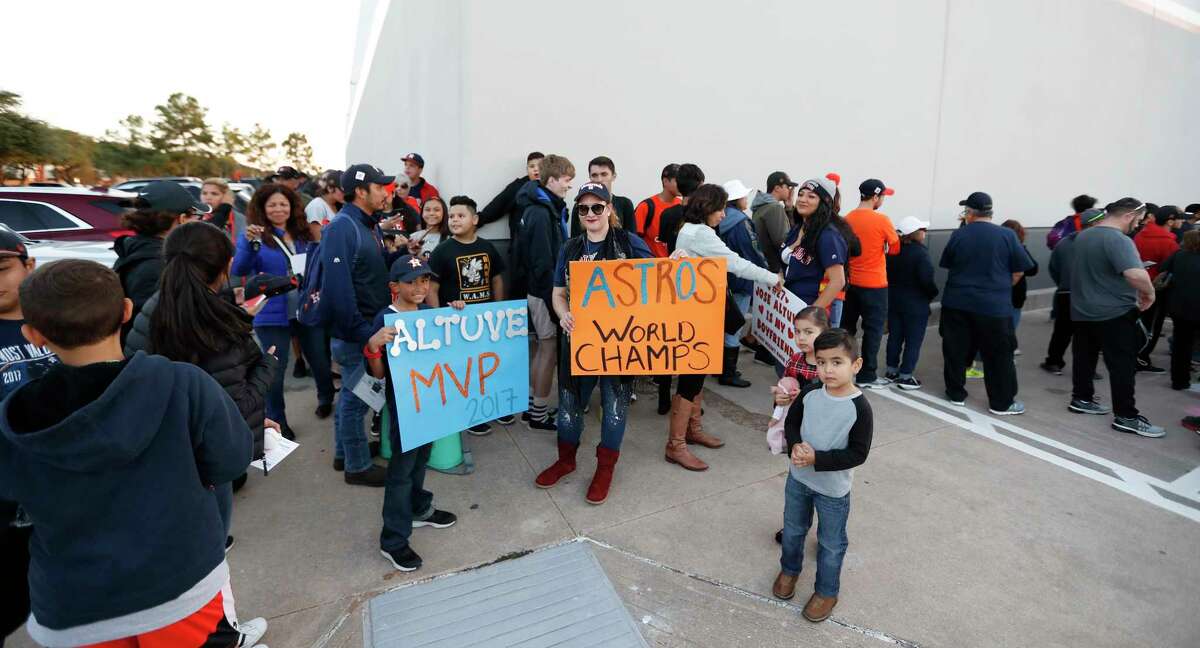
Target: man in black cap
[(773, 214), (1109, 290), (354, 290), (984, 262)]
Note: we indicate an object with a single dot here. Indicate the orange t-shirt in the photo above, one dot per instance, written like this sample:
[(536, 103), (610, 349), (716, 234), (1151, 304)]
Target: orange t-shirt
[(650, 235), (878, 237)]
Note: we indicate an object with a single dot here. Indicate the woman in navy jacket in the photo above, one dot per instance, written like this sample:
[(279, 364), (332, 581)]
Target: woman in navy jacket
[(276, 242)]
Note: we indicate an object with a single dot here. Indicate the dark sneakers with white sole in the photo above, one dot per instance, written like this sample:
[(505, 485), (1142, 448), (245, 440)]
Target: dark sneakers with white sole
[(404, 560), (1080, 406), (438, 519), (1138, 425)]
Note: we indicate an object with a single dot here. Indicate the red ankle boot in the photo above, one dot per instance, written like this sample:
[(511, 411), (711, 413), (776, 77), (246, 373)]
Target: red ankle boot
[(606, 460), (559, 469)]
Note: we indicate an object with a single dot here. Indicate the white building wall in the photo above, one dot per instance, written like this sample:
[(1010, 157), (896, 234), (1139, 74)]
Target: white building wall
[(1033, 101)]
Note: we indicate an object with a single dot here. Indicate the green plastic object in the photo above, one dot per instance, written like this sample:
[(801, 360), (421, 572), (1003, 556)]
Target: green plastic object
[(385, 439), (446, 452)]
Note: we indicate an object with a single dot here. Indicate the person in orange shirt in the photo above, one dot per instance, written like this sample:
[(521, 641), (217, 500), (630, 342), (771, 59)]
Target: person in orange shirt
[(646, 216), (867, 294)]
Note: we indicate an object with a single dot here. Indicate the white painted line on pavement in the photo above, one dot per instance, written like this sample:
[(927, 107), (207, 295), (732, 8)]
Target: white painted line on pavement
[(1128, 480)]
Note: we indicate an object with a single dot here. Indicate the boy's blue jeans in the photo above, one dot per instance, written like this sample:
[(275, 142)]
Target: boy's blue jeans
[(832, 512), (349, 436)]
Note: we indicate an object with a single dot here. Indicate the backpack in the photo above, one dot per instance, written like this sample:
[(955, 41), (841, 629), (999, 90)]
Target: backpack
[(310, 313), (1060, 231), (650, 208)]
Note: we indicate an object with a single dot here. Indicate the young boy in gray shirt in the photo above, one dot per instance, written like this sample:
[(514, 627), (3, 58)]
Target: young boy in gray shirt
[(828, 430)]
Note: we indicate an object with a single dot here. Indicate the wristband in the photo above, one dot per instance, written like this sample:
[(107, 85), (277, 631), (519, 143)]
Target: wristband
[(371, 356)]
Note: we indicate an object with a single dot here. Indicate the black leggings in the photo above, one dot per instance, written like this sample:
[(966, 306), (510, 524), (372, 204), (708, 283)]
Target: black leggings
[(690, 386), (14, 578)]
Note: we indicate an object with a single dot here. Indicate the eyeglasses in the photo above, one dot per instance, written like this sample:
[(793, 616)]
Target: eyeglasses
[(597, 209)]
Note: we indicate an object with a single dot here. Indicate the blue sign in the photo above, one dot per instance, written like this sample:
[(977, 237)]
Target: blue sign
[(452, 369)]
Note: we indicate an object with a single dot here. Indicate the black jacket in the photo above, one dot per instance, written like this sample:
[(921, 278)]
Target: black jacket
[(1021, 288), (539, 239), (504, 204), (1183, 295), (243, 371), (910, 277), (139, 265)]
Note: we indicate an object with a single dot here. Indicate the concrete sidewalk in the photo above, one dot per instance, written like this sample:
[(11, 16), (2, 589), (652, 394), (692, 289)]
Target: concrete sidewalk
[(963, 533)]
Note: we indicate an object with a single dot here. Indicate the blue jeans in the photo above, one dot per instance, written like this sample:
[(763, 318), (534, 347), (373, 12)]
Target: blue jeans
[(614, 401), (404, 496), (279, 337), (742, 301), (314, 342), (906, 333), (832, 513), (835, 314), (349, 436)]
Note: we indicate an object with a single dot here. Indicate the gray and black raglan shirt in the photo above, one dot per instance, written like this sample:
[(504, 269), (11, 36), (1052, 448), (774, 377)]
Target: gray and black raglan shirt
[(839, 430)]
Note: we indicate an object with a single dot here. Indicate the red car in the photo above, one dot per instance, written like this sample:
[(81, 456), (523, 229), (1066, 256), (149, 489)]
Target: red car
[(64, 213)]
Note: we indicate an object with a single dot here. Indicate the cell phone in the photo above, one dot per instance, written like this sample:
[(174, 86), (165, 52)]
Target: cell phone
[(391, 233), (253, 302)]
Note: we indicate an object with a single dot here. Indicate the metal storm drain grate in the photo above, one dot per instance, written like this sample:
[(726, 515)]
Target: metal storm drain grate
[(556, 597)]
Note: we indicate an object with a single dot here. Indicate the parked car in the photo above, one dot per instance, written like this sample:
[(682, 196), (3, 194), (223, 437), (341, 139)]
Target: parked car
[(47, 251), (64, 213), (133, 184)]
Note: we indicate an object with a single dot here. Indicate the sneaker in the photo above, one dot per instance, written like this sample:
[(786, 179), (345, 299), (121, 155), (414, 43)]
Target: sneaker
[(1087, 407), (323, 411), (974, 373), (405, 560), (483, 429), (542, 424), (1016, 352), (1138, 425), (779, 537), (228, 543), (438, 520), (507, 419), (1194, 388), (1145, 367), (878, 383), (959, 403), (300, 370), (632, 397), (375, 477), (339, 464), (1191, 422), (1017, 407), (1057, 370), (908, 384), (287, 432), (892, 376), (251, 631), (551, 413)]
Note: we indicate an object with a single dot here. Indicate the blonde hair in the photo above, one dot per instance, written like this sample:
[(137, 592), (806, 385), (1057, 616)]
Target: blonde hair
[(217, 182)]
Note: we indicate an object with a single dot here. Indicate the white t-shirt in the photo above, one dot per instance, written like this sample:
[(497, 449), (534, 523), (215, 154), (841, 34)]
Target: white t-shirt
[(429, 240), (318, 211)]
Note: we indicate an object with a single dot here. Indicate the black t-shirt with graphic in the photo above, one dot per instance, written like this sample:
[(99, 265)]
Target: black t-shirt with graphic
[(465, 270)]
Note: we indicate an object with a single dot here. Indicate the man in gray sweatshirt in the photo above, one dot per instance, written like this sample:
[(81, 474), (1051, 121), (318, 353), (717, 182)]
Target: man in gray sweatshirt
[(772, 213)]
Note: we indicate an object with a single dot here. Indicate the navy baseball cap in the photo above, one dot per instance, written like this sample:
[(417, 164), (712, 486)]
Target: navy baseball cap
[(361, 174), (871, 188), (167, 196), (978, 201), (595, 189), (408, 267), (415, 158), (11, 245)]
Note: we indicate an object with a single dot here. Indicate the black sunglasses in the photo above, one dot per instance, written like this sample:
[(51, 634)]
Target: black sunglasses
[(597, 209)]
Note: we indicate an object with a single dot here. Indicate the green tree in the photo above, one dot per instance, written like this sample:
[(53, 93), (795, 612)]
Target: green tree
[(132, 131), (231, 147), (181, 129), (24, 141), (71, 154), (260, 148), (299, 153)]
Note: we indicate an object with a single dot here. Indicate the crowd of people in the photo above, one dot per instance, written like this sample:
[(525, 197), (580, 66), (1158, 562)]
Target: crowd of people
[(128, 421)]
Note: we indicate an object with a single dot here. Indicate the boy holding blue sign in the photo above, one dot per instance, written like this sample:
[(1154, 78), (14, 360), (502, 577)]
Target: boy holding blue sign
[(406, 503)]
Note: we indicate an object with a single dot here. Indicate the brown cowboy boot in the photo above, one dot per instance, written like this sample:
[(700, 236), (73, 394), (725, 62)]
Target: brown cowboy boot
[(695, 432), (819, 607), (677, 450), (784, 587)]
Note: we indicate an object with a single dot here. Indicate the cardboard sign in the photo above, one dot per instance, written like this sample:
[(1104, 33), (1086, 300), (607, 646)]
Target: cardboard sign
[(773, 317), (647, 316), (452, 369)]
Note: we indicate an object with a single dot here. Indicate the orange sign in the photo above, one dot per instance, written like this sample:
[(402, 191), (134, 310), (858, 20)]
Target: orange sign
[(647, 316)]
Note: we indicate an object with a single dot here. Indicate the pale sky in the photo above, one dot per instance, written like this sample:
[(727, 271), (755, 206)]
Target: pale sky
[(84, 65)]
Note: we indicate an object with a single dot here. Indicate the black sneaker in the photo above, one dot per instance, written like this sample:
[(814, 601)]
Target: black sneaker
[(405, 560), (892, 376), (339, 464), (551, 413), (1138, 425), (375, 477), (1057, 370), (909, 384), (300, 370), (779, 537), (287, 432), (1145, 367), (508, 419), (483, 429), (439, 520), (228, 543), (1087, 407), (323, 411), (374, 447), (542, 424)]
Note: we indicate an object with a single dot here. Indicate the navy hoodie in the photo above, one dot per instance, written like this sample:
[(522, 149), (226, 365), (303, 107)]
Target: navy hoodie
[(114, 463), (539, 239), (355, 283), (737, 231)]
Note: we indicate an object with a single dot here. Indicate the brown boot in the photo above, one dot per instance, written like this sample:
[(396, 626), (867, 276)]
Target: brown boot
[(785, 586), (677, 450), (695, 432), (819, 607)]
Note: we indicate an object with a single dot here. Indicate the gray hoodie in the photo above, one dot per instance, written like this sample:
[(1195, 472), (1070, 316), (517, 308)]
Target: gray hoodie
[(771, 224)]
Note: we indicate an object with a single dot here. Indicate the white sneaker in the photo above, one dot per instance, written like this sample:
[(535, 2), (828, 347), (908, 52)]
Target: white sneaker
[(878, 383), (252, 631)]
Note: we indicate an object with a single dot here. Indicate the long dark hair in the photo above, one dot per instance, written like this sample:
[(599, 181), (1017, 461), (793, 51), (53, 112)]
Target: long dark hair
[(812, 225), (256, 214), (442, 228), (191, 321)]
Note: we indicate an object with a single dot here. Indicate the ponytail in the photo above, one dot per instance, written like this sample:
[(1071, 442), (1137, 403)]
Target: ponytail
[(191, 321)]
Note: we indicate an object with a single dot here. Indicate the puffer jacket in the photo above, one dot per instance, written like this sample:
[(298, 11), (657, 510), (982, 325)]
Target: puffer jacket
[(244, 372)]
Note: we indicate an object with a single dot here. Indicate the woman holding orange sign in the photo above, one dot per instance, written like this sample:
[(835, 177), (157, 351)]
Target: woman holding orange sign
[(698, 238), (602, 240)]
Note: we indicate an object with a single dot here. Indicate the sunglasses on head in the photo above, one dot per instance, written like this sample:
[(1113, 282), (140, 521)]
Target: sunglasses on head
[(597, 209)]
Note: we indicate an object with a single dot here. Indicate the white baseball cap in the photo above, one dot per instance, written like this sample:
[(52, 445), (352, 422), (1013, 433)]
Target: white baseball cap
[(736, 190), (911, 224)]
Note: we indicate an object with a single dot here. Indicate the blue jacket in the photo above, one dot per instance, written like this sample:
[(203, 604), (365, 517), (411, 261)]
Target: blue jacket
[(268, 260), (119, 490), (355, 283), (737, 232), (539, 240)]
